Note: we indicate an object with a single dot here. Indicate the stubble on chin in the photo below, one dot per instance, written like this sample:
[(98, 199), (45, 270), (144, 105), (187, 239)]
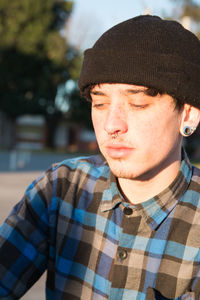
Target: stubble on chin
[(126, 170), (121, 169)]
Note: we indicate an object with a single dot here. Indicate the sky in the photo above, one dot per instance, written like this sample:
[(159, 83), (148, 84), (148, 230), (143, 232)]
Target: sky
[(90, 18)]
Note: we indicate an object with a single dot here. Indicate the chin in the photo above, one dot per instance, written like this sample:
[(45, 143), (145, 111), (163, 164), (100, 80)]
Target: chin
[(138, 175), (122, 169), (131, 170), (126, 174)]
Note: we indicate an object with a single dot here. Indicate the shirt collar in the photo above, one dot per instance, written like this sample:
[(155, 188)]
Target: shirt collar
[(156, 209)]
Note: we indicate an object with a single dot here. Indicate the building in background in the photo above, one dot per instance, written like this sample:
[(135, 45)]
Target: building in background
[(29, 133)]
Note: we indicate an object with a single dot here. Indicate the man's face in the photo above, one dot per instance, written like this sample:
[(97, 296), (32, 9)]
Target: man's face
[(148, 127)]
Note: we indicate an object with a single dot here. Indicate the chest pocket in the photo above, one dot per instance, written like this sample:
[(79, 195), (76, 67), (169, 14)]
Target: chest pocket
[(153, 294)]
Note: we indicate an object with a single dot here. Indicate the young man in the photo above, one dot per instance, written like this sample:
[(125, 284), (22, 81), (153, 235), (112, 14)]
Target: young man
[(126, 226)]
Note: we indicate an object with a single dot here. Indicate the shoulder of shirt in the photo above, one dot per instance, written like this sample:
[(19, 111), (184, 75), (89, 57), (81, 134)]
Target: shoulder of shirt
[(94, 161), (194, 171), (74, 171), (93, 165)]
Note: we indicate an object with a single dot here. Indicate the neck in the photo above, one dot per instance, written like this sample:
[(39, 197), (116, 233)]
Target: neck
[(139, 190)]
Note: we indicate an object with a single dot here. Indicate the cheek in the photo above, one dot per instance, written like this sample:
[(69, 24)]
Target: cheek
[(158, 131)]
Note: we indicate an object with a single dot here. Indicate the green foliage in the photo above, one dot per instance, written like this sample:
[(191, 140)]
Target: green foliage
[(34, 57), (31, 26), (191, 9)]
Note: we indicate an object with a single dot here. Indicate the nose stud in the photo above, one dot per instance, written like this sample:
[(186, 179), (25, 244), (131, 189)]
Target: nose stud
[(114, 135)]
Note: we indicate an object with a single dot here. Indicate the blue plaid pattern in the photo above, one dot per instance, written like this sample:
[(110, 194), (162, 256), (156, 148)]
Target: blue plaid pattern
[(74, 223)]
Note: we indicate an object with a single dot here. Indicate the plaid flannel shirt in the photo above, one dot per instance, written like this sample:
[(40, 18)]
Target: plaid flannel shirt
[(74, 223)]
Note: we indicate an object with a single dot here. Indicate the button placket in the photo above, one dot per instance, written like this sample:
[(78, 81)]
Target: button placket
[(122, 254), (128, 211)]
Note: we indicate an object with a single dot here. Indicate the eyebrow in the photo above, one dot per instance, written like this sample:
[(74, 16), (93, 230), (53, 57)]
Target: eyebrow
[(135, 91), (127, 91), (97, 93)]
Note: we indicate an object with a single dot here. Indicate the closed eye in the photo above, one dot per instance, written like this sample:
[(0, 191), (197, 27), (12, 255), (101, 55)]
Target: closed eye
[(139, 106), (99, 105)]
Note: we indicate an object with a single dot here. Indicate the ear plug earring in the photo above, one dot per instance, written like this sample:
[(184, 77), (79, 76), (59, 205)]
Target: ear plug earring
[(187, 130)]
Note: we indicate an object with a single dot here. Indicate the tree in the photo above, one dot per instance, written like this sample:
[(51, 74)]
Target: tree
[(189, 14), (34, 57)]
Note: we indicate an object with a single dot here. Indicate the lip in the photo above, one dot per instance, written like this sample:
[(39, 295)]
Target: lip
[(118, 151)]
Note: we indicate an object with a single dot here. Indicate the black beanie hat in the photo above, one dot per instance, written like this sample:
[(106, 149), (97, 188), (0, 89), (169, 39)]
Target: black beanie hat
[(149, 51)]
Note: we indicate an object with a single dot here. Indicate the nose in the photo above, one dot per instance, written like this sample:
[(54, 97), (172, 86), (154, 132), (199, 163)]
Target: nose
[(116, 121)]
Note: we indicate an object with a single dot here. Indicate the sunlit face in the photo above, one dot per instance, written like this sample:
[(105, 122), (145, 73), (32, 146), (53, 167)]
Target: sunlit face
[(148, 129)]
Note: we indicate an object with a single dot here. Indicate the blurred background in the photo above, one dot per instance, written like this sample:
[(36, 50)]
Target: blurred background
[(42, 117)]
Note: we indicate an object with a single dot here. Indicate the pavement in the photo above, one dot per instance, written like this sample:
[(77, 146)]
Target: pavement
[(17, 171), (12, 187), (20, 161)]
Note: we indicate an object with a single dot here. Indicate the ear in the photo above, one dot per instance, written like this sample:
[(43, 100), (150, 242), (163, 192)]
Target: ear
[(189, 120)]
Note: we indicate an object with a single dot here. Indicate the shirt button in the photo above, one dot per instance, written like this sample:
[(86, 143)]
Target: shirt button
[(128, 211), (122, 254)]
